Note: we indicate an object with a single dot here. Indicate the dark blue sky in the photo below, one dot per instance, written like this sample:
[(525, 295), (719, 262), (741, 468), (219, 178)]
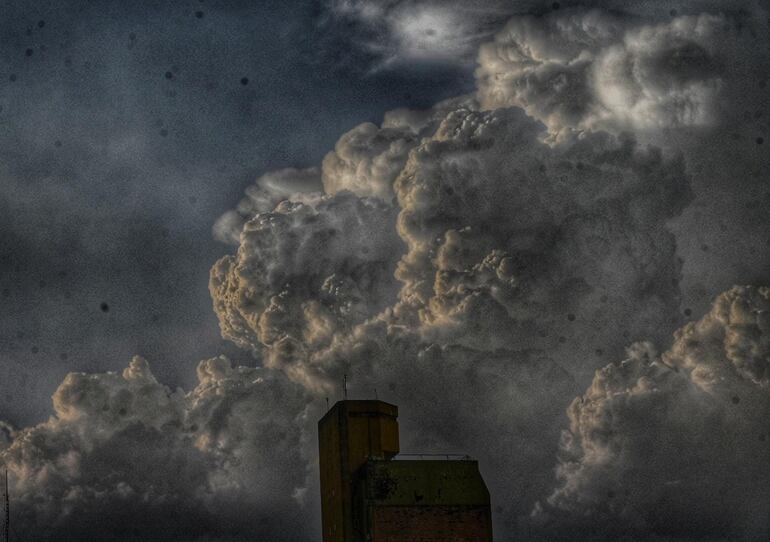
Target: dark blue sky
[(126, 129)]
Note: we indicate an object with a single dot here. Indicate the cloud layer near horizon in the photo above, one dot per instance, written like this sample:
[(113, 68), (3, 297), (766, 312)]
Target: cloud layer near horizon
[(479, 264), (124, 457), (675, 444)]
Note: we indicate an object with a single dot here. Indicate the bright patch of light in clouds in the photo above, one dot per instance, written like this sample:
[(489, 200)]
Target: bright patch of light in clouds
[(431, 33), (408, 32)]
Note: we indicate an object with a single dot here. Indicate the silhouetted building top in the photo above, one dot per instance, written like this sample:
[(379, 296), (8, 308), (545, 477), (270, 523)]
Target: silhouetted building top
[(369, 495)]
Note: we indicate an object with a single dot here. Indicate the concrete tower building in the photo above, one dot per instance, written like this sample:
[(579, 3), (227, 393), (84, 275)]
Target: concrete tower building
[(368, 494)]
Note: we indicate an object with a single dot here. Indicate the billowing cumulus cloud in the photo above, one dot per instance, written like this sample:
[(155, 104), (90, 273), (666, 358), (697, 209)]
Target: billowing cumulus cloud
[(542, 64), (693, 84), (532, 253), (513, 262), (305, 272), (504, 239), (122, 451), (476, 263), (675, 446), (515, 259), (587, 69), (367, 159), (509, 237), (262, 197)]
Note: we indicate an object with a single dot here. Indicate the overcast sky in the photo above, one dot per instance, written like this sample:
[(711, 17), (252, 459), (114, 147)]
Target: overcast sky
[(539, 228)]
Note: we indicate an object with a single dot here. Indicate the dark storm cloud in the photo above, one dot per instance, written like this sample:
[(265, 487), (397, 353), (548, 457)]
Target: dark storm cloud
[(480, 263)]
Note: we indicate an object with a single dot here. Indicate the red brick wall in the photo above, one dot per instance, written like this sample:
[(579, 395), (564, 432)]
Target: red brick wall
[(431, 524)]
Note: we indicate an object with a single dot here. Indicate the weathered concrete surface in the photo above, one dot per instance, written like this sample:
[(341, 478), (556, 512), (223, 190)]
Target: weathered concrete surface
[(422, 483), (431, 524), (425, 501)]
